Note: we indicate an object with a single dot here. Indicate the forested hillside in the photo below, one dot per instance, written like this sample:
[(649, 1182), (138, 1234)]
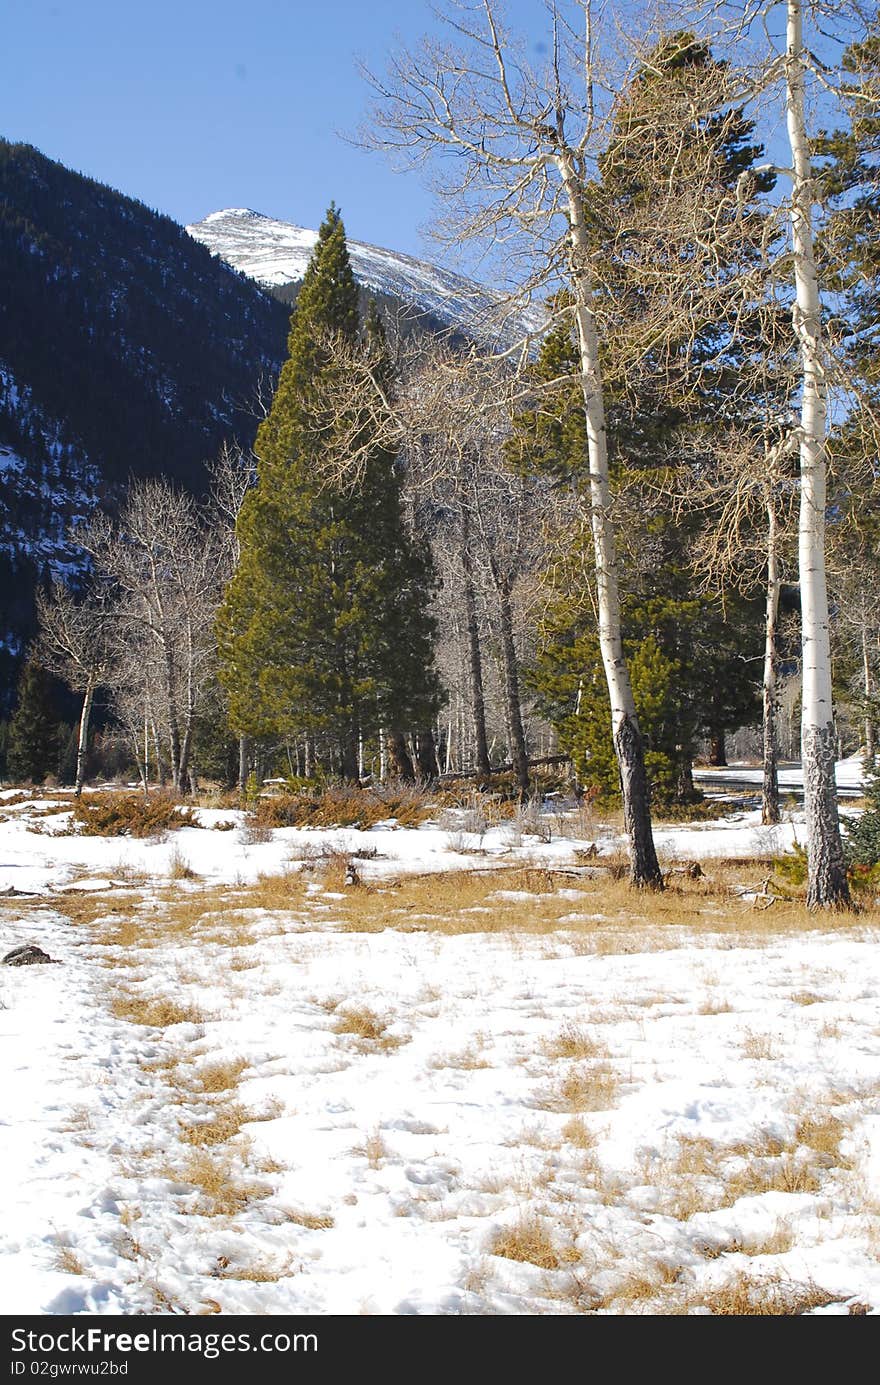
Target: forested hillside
[(125, 349)]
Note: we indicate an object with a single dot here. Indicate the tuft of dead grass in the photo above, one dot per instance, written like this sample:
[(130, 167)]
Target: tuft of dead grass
[(469, 1058), (260, 1272), (312, 1221), (179, 867), (572, 1041), (367, 1026), (220, 1126), (770, 1296), (223, 1189), (759, 1047), (529, 1241), (590, 1087), (711, 1006), (158, 1012), (782, 1175), (221, 1075), (579, 1134), (374, 1149), (67, 1260), (822, 1133)]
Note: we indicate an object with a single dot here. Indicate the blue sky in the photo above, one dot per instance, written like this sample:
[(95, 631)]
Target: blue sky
[(195, 105)]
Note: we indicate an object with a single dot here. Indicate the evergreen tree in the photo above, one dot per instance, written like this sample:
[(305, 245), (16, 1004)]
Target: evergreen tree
[(34, 742), (325, 626), (850, 243)]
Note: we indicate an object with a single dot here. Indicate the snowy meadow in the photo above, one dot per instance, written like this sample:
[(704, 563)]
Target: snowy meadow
[(431, 1070)]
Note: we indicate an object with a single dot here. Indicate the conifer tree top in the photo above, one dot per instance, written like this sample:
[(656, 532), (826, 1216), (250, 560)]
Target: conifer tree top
[(328, 299)]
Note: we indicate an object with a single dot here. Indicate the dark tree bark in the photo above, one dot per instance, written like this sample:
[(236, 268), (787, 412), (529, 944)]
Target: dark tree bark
[(399, 761), (685, 791), (645, 870), (717, 749), (426, 755), (478, 701), (827, 885), (519, 755), (348, 759)]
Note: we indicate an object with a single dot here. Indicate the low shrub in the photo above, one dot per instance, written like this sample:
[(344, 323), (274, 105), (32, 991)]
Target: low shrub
[(342, 806), (130, 815)]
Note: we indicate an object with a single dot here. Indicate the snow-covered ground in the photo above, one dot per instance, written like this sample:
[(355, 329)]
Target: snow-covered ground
[(523, 1093)]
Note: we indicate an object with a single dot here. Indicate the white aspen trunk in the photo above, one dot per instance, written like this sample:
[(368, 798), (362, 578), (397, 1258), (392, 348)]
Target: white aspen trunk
[(770, 791), (827, 884), (83, 739), (478, 700), (146, 754), (868, 681), (383, 756), (628, 744)]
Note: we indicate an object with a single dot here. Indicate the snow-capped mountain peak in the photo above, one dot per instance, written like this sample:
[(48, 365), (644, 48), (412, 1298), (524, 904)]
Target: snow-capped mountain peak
[(276, 253)]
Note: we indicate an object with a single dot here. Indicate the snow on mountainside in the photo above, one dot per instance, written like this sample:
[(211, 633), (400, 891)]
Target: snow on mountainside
[(276, 253), (47, 485)]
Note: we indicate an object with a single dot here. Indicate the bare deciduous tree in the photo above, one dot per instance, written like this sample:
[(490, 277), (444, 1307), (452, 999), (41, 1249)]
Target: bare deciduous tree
[(165, 564), (73, 643), (521, 142)]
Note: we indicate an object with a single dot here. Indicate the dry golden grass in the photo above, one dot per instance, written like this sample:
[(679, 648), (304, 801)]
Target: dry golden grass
[(530, 1241), (759, 1047), (695, 1157), (370, 1028), (220, 1075), (700, 1176), (585, 1088), (179, 867), (312, 1221), (574, 1042), (771, 1296), (362, 1021), (823, 1133), (79, 1119), (711, 1006), (468, 902), (261, 1272), (374, 1149), (468, 1058), (337, 871), (223, 1190), (578, 1134), (639, 1287), (221, 1126), (805, 998), (782, 1175), (777, 1242), (81, 908), (125, 933), (67, 1260), (156, 1011), (830, 1029)]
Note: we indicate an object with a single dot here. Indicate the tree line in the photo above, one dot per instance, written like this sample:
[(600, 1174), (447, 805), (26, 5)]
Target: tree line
[(617, 536)]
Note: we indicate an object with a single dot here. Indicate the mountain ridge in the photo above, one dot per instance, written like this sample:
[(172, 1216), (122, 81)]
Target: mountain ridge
[(276, 253)]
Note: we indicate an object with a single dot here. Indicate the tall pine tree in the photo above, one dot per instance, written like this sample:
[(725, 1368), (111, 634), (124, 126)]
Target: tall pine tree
[(325, 628)]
